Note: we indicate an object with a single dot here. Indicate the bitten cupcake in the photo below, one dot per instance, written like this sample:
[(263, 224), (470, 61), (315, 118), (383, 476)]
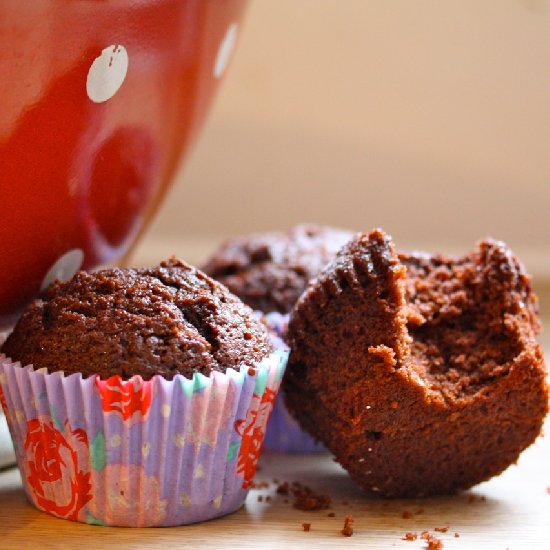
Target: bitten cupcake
[(421, 373), (269, 272), (139, 397)]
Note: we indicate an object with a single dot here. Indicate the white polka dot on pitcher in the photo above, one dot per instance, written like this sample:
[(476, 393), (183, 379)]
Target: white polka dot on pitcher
[(64, 267), (225, 50), (107, 73)]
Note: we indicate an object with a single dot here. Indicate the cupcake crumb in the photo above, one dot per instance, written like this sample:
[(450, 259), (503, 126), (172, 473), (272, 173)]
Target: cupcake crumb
[(331, 515), (432, 543), (307, 500), (407, 515), (457, 535), (410, 536), (306, 526), (311, 502), (283, 488), (441, 529), (347, 530)]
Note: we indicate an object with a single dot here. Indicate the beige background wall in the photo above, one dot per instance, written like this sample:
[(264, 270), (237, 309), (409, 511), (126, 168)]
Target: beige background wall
[(428, 118)]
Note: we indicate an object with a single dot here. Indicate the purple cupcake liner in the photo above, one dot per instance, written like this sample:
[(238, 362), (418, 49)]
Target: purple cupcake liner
[(284, 433), (139, 453)]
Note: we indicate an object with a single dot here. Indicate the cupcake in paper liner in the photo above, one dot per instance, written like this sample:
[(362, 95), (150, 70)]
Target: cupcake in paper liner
[(163, 447), (284, 433)]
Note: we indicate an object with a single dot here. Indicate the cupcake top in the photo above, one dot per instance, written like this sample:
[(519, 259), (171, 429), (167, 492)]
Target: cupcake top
[(167, 320), (269, 271)]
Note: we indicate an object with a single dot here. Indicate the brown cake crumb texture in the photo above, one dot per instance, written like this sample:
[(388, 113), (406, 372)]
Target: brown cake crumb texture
[(308, 500), (269, 271), (450, 341), (410, 536), (306, 527), (166, 320), (347, 530), (432, 542)]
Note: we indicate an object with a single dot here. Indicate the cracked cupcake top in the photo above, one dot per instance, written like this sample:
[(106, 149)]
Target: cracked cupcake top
[(167, 320), (269, 271)]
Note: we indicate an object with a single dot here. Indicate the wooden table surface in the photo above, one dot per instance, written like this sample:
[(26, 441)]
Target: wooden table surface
[(511, 511)]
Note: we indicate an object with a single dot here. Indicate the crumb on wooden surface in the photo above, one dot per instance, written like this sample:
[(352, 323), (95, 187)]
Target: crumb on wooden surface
[(308, 500), (347, 530), (283, 488), (432, 543)]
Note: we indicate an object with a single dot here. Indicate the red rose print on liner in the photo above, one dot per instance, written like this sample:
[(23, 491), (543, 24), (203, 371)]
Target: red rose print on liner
[(3, 400), (57, 482), (125, 397), (252, 430)]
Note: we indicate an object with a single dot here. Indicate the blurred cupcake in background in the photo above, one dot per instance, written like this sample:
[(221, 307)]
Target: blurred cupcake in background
[(139, 397), (269, 272)]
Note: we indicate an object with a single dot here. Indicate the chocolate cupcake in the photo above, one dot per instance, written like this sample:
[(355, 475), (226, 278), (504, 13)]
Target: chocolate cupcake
[(166, 320), (149, 392), (420, 373), (269, 271)]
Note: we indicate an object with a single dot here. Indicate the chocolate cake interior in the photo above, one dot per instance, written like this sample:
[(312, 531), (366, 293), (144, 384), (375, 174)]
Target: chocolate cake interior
[(457, 317)]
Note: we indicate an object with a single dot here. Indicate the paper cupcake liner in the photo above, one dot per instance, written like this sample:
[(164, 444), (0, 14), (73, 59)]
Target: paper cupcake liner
[(284, 434), (139, 453)]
